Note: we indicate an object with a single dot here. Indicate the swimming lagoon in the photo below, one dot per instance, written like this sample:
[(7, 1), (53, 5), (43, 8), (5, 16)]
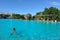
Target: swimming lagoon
[(29, 30)]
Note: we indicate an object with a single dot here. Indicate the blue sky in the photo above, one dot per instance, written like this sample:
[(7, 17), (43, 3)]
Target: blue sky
[(27, 6)]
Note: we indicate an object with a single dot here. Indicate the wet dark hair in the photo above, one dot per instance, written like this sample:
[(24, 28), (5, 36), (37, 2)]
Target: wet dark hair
[(14, 29)]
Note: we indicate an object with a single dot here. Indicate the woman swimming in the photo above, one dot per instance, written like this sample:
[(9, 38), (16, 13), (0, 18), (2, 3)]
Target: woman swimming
[(14, 34), (13, 31)]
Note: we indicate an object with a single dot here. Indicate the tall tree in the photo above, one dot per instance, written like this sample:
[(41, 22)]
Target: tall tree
[(38, 13), (53, 10), (16, 16), (46, 11)]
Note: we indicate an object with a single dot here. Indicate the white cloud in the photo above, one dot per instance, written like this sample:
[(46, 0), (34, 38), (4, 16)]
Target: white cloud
[(55, 3)]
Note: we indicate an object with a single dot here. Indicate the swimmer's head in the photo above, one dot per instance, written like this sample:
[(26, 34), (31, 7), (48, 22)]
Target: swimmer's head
[(14, 29)]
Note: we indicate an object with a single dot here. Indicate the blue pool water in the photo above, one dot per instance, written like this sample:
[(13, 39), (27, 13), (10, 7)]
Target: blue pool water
[(29, 30)]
